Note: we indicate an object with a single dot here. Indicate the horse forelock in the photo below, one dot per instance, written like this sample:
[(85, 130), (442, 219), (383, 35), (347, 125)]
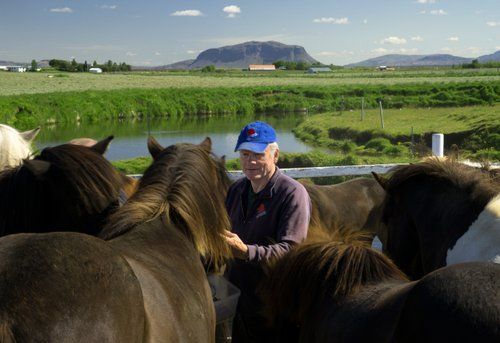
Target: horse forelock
[(310, 274), (184, 186), (73, 194), (13, 147)]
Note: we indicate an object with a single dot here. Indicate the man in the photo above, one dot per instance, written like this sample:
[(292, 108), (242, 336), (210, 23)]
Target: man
[(269, 214)]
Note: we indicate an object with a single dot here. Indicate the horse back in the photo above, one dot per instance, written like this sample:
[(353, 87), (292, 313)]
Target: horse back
[(457, 303), (177, 297), (351, 205), (67, 287)]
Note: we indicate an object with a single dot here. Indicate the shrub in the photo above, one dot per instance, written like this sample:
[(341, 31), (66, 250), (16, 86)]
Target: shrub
[(378, 144)]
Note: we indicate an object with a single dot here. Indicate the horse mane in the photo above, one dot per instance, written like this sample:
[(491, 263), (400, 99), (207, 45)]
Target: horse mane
[(185, 186), (13, 147), (481, 183), (315, 272), (72, 193)]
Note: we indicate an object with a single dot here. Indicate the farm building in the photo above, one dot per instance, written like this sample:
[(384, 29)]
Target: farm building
[(316, 70), (17, 69), (384, 68), (255, 67), (95, 70)]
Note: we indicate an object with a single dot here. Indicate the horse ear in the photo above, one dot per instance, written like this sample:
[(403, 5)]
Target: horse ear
[(207, 144), (102, 145), (154, 147), (36, 167), (381, 180), (30, 135), (223, 160)]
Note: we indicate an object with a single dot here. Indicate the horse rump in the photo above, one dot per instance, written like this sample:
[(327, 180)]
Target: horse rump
[(67, 287)]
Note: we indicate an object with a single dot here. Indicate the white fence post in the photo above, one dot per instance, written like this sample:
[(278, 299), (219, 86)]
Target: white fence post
[(438, 144)]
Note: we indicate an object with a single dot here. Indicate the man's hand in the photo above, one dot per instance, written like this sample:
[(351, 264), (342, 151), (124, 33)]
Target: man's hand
[(239, 249)]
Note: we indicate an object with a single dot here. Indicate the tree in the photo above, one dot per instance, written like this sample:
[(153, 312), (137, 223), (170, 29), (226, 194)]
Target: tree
[(34, 65), (208, 69)]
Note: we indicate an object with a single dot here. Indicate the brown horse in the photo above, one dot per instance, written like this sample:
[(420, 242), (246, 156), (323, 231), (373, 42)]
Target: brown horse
[(146, 283), (441, 212), (64, 188), (338, 292), (347, 206)]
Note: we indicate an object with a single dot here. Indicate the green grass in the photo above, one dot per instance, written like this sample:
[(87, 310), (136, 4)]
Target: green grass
[(29, 110), (474, 129), (49, 82)]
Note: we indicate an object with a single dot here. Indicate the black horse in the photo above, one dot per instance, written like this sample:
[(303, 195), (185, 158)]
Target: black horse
[(440, 212), (338, 292)]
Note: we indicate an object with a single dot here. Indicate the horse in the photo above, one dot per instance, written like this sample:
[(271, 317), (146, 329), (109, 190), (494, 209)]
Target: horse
[(129, 184), (349, 292), (352, 205), (438, 213), (64, 188), (14, 145), (143, 281)]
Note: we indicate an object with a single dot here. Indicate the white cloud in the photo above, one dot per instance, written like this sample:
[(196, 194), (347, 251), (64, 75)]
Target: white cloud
[(438, 12), (192, 52), (335, 53), (130, 53), (231, 11), (379, 51), (447, 50), (417, 39), (109, 7), (493, 23), (453, 39), (393, 40), (330, 20), (187, 13), (425, 1), (408, 51), (157, 53), (61, 10), (365, 21)]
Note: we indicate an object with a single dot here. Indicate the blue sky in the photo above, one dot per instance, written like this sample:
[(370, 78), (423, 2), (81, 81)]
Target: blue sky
[(158, 32)]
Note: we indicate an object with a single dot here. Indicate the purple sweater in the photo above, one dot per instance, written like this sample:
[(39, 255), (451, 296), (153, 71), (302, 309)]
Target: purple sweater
[(278, 218)]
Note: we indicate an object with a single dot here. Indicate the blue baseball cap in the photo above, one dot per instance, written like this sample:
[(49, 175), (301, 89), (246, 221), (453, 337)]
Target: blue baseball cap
[(256, 137)]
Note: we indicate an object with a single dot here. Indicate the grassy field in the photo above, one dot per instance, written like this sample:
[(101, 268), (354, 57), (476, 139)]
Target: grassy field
[(475, 130), (49, 82)]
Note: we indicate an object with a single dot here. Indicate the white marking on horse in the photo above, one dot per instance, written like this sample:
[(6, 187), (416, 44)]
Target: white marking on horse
[(377, 243), (481, 242)]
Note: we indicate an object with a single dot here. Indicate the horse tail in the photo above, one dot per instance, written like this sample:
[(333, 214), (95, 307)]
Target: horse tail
[(6, 334)]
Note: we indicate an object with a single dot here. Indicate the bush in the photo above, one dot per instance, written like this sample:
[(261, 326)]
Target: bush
[(378, 144)]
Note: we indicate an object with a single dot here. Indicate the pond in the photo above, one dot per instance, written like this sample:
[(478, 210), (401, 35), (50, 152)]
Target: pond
[(131, 135)]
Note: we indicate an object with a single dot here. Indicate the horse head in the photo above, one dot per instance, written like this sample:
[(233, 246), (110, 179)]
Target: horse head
[(64, 188), (14, 145), (185, 186)]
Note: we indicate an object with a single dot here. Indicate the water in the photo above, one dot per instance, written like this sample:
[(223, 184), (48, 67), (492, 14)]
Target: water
[(131, 135)]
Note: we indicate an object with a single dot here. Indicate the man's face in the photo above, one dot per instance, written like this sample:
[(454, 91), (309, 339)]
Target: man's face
[(258, 166)]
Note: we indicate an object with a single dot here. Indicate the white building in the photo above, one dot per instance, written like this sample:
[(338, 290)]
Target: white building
[(260, 67), (95, 70), (17, 69)]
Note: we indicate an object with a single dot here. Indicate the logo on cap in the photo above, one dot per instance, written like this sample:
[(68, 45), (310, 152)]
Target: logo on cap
[(252, 133)]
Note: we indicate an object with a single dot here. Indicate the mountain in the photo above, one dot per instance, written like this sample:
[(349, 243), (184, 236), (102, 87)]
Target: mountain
[(397, 60), (241, 55), (494, 57)]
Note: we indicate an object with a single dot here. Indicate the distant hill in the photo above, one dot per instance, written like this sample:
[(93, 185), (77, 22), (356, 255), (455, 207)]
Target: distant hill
[(241, 55), (494, 57), (41, 63), (396, 60)]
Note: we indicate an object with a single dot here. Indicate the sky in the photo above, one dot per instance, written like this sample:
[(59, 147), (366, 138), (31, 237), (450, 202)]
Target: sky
[(159, 32)]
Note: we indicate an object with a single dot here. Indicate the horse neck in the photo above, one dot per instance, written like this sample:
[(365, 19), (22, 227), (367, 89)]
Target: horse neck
[(375, 308), (440, 217)]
